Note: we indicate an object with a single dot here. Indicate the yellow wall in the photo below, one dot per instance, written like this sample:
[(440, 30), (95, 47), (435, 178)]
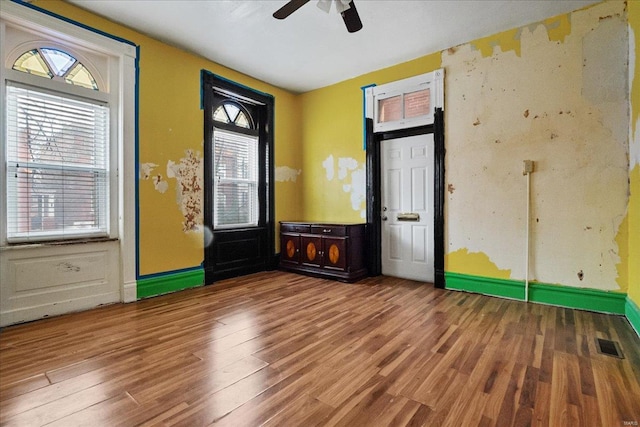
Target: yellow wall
[(171, 133), (634, 157), (333, 132)]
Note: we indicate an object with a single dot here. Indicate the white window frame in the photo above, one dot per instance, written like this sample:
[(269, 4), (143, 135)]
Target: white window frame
[(433, 81), (121, 82), (48, 31), (104, 186), (252, 182)]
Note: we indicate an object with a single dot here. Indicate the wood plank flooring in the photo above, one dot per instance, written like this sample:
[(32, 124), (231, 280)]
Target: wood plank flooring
[(279, 349)]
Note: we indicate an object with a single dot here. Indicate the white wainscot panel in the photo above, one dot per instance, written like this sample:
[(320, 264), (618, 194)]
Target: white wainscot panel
[(47, 280), (50, 272)]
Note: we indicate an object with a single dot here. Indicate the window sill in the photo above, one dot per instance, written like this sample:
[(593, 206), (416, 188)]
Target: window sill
[(30, 245)]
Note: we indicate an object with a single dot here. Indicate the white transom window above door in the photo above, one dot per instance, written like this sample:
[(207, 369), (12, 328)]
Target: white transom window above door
[(405, 103)]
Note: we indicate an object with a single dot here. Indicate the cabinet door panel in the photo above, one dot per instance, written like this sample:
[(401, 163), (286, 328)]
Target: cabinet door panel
[(311, 250), (335, 253), (290, 248)]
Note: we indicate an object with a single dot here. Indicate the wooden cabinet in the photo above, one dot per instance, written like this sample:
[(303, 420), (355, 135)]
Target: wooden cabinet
[(327, 250)]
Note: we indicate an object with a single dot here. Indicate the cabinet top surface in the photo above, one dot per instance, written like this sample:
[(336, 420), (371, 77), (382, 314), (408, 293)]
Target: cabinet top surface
[(321, 223)]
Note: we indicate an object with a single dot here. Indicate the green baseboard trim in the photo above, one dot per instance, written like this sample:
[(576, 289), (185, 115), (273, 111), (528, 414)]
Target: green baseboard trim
[(171, 282), (633, 315), (563, 296), (580, 298), (504, 288)]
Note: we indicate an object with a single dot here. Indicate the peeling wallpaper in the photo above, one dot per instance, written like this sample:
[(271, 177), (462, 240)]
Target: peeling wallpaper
[(286, 173), (333, 189), (352, 175), (560, 99), (557, 27), (188, 173), (475, 263)]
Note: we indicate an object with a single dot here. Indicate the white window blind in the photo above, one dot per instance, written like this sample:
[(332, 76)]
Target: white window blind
[(57, 166), (235, 158)]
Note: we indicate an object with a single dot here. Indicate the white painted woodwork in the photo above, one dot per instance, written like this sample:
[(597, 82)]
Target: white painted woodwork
[(407, 188), (432, 82), (40, 280)]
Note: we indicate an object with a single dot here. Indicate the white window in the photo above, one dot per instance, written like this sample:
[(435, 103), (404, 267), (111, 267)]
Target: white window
[(407, 103), (61, 151), (235, 158), (57, 166)]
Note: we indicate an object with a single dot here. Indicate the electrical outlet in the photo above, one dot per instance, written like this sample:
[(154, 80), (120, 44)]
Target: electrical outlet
[(528, 167)]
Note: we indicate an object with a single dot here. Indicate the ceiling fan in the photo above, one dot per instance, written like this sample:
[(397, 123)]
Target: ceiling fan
[(346, 8)]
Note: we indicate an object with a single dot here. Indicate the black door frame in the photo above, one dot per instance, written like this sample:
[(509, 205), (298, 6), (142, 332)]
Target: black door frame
[(374, 186), (259, 240)]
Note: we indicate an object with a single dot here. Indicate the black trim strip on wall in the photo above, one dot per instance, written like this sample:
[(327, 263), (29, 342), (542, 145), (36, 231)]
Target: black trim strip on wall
[(439, 185), (374, 237)]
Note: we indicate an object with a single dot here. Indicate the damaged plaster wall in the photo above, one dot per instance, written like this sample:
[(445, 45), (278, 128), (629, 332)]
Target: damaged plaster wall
[(555, 93), (188, 173), (332, 154), (352, 176), (634, 153), (286, 173)]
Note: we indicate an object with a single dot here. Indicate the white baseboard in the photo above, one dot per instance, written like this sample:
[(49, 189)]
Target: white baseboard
[(27, 314), (130, 292)]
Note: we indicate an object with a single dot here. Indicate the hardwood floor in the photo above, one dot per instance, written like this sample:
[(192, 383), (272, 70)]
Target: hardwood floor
[(279, 349)]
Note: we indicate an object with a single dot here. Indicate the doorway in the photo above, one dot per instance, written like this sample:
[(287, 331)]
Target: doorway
[(407, 207), (375, 213)]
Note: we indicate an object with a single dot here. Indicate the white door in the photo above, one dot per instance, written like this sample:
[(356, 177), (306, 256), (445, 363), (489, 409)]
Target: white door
[(407, 207)]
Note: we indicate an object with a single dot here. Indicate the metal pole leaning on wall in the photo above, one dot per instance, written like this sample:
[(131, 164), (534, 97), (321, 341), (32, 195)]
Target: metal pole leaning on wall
[(527, 170)]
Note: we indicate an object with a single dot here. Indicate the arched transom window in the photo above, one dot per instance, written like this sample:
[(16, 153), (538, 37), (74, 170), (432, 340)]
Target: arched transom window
[(55, 64), (230, 113), (236, 166)]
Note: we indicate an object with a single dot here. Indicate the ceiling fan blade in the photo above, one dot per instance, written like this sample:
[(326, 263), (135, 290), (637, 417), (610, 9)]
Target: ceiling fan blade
[(289, 8), (352, 19)]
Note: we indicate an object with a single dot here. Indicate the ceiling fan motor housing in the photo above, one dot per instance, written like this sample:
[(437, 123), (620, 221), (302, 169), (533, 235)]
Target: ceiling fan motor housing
[(346, 8)]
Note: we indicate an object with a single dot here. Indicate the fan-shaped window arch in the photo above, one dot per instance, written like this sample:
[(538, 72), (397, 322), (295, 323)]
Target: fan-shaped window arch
[(54, 63), (232, 113)]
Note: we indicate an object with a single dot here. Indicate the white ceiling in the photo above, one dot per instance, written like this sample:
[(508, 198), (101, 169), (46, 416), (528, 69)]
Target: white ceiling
[(311, 49)]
